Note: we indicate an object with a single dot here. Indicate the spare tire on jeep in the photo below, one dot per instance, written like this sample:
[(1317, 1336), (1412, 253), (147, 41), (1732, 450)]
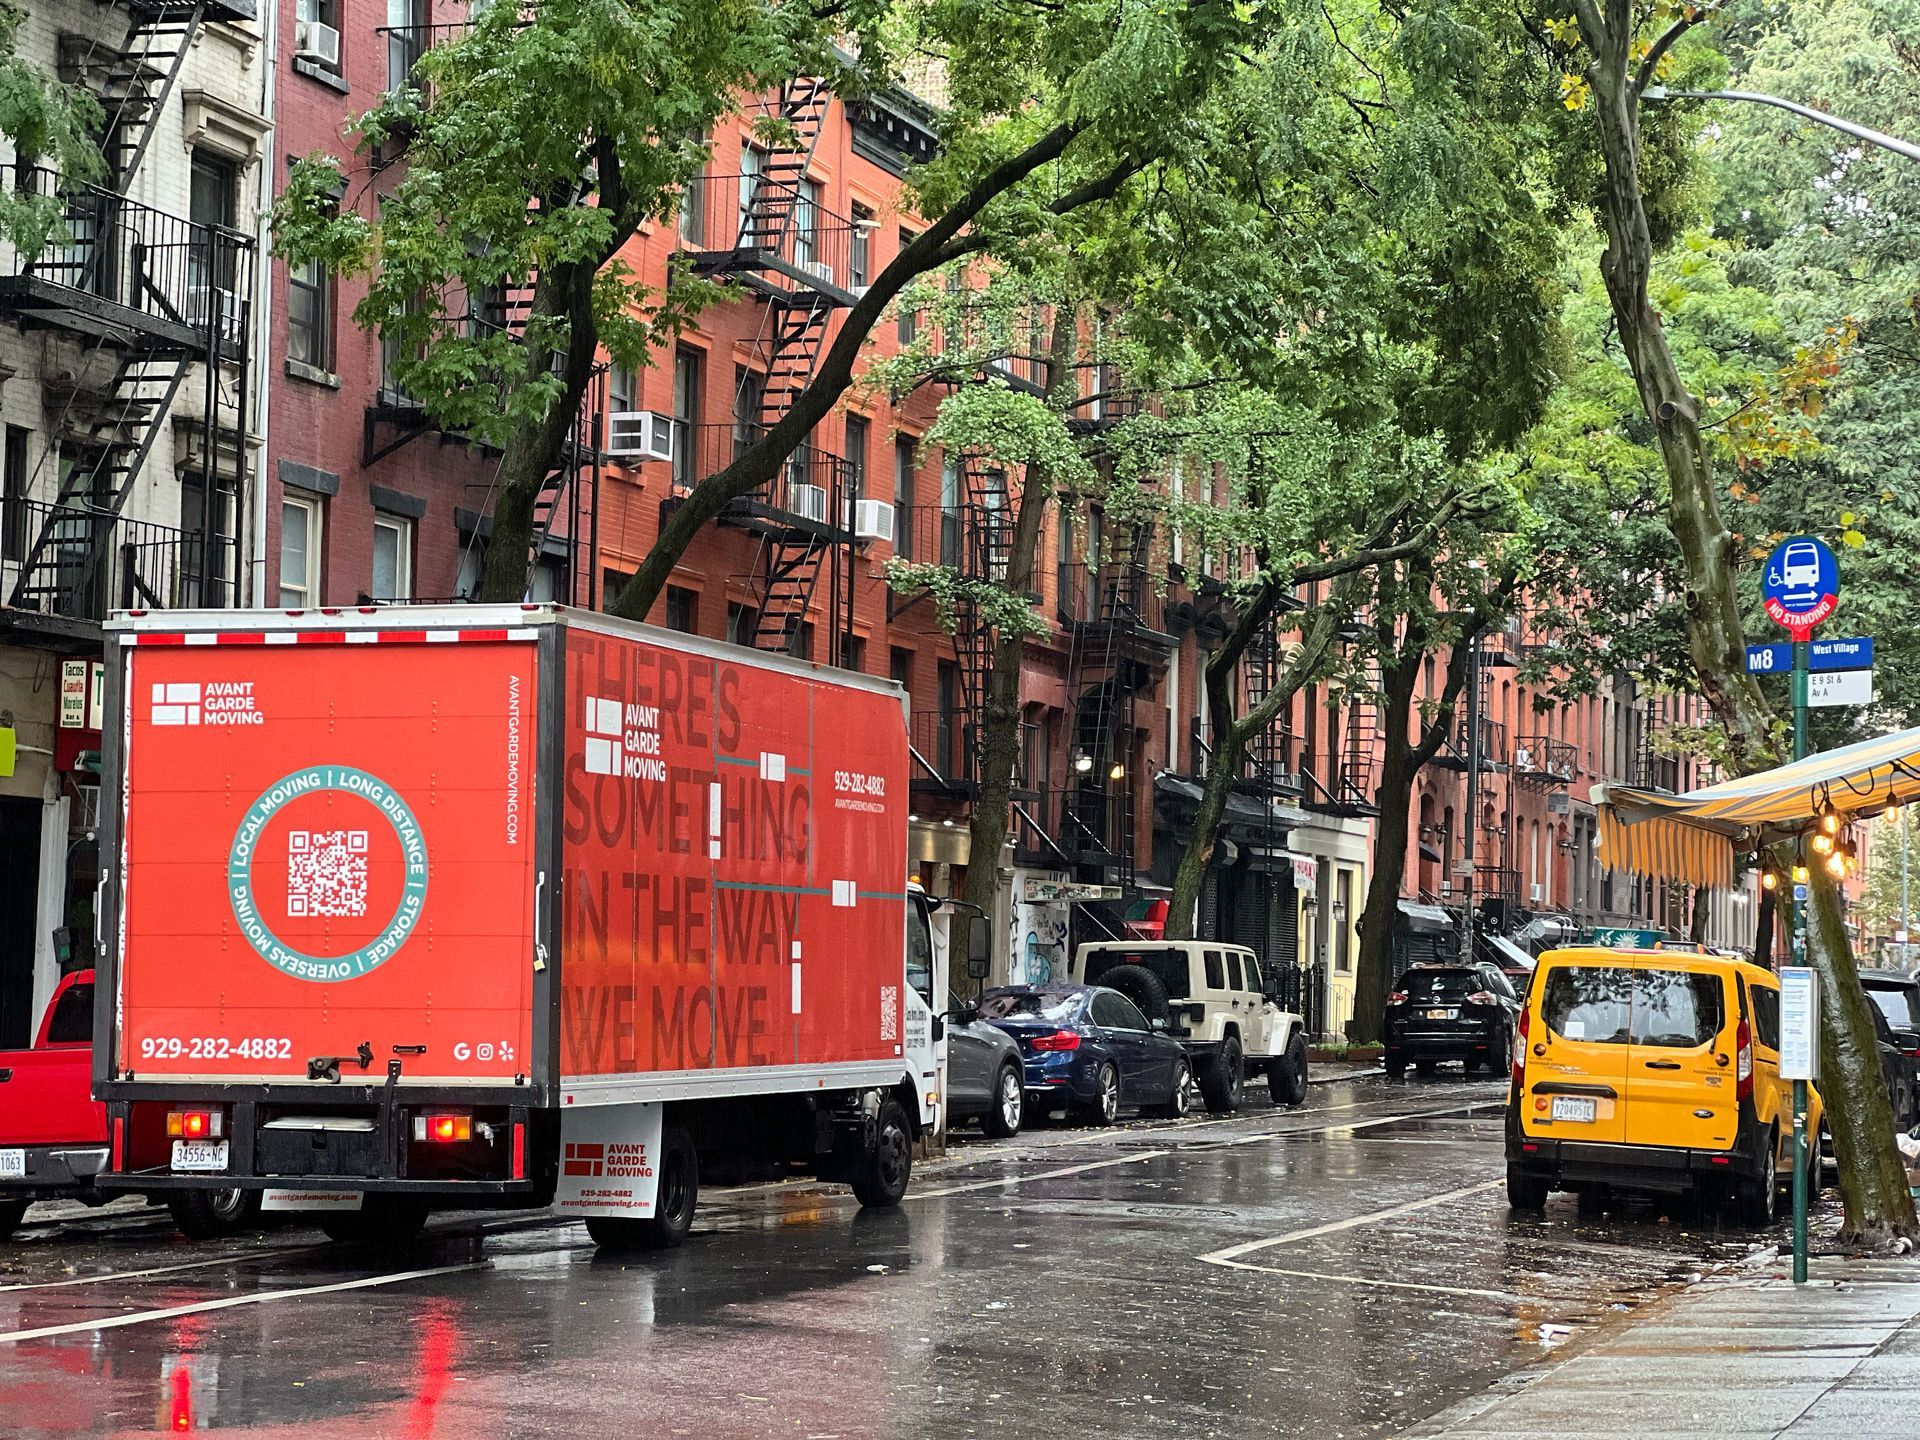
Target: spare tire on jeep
[(1142, 987)]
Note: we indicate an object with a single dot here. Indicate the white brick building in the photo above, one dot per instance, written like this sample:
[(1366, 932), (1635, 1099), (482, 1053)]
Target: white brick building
[(128, 392)]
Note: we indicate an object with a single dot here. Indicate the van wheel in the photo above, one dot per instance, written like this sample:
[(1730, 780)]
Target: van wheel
[(1287, 1077), (387, 1221), (11, 1212), (1221, 1077), (210, 1214), (880, 1178), (1525, 1192), (1754, 1197), (676, 1196)]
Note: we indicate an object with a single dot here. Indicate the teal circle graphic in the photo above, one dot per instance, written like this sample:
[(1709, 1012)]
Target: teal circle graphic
[(313, 780)]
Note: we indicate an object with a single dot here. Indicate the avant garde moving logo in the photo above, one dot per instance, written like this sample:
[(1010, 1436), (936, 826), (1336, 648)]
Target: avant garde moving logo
[(326, 873)]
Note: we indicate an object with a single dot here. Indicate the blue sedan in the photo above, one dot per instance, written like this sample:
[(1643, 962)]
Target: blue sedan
[(1091, 1050)]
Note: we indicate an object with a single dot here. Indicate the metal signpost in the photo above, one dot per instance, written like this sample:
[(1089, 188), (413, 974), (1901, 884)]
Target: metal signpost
[(1799, 1062), (1800, 589)]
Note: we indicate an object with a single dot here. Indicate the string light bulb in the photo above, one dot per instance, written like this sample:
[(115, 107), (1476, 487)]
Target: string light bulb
[(1823, 844), (1830, 820), (1799, 874), (1769, 880), (1118, 772), (1837, 866)]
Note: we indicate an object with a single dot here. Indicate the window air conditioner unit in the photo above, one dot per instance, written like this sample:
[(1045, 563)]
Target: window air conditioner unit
[(640, 435), (819, 269), (873, 520), (201, 303), (1537, 893), (809, 502), (315, 41)]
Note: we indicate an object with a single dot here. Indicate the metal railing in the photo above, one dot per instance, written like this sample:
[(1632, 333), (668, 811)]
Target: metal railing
[(814, 484), (96, 563), (773, 226), (1119, 594), (1543, 760), (1496, 882), (124, 253)]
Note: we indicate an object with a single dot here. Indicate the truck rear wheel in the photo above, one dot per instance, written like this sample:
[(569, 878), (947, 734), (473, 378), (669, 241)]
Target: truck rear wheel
[(384, 1220), (11, 1212), (880, 1177), (211, 1214), (676, 1196)]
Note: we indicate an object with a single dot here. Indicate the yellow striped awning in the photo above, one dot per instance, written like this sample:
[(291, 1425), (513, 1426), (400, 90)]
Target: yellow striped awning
[(1692, 837)]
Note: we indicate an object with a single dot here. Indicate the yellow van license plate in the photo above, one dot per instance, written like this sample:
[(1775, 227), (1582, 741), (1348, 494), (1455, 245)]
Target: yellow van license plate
[(1574, 1107)]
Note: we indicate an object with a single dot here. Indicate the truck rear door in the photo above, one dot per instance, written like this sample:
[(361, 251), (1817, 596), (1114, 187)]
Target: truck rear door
[(327, 843)]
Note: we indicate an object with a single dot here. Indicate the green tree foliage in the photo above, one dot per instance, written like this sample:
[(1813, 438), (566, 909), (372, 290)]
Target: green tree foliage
[(49, 123)]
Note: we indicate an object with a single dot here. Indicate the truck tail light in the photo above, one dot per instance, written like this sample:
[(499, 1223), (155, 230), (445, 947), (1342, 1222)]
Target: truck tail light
[(1398, 997), (519, 1151), (1520, 1052), (442, 1129), (1743, 1062), (196, 1124), (1058, 1040)]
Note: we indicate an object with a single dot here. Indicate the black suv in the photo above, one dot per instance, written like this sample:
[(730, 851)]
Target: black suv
[(1896, 999), (1464, 1012)]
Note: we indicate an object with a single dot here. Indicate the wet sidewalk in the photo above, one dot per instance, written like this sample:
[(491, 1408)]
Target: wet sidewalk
[(1747, 1357)]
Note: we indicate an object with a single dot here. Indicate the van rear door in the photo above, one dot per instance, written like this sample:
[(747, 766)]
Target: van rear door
[(1577, 1068), (1681, 1084)]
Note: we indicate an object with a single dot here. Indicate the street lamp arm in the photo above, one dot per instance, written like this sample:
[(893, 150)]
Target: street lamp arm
[(1805, 112)]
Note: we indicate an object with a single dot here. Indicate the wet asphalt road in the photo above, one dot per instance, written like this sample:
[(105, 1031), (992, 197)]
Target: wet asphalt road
[(1341, 1270)]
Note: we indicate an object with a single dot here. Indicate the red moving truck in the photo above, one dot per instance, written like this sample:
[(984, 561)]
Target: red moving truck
[(412, 908)]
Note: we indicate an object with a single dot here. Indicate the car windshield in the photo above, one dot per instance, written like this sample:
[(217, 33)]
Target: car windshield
[(1615, 1005), (1440, 984), (1169, 965), (1044, 1005), (1895, 1005)]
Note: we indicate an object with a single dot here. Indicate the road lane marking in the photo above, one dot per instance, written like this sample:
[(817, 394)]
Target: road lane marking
[(1064, 1170), (1500, 1295), (1334, 1227), (160, 1269), (262, 1297)]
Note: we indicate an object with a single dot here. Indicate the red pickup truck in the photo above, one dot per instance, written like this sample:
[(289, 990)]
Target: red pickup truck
[(53, 1133)]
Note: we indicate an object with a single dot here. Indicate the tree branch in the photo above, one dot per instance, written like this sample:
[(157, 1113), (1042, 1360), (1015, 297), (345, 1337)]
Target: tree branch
[(1660, 48)]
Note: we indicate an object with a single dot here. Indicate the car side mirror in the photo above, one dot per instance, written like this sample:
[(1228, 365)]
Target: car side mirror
[(939, 1029), (979, 948), (1907, 1040), (1158, 1024)]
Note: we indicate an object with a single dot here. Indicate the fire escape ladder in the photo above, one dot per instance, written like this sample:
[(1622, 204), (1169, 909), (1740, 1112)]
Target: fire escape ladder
[(799, 327), (789, 566), (65, 557), (140, 78), (551, 500), (1362, 737), (803, 108), (986, 543)]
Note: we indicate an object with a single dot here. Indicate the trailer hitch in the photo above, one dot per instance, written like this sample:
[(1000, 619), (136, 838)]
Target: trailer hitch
[(327, 1067)]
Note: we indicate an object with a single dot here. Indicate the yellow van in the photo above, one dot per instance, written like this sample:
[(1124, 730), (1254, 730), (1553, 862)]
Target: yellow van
[(1652, 1070)]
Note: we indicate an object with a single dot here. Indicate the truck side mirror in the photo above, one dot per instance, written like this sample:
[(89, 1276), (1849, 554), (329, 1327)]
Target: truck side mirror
[(979, 948)]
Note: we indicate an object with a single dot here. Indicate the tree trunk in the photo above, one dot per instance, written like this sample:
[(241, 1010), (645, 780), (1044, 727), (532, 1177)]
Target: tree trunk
[(1763, 931), (1697, 929), (1877, 1203), (535, 447), (1393, 797), (1223, 768), (1000, 736)]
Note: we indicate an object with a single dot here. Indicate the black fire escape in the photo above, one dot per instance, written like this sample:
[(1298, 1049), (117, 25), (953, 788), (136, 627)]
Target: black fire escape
[(766, 230), (158, 293)]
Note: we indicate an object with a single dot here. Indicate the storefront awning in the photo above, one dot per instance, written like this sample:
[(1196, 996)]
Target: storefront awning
[(1692, 837), (1426, 919), (1510, 955)]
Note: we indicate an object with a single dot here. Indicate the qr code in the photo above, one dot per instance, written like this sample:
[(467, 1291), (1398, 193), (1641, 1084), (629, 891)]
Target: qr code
[(327, 873), (889, 1012)]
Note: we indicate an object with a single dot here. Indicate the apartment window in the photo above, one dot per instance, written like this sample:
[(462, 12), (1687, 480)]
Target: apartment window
[(900, 667), (13, 498), (949, 510), (310, 315), (740, 623), (801, 646), (909, 319), (407, 29), (683, 610), (206, 568), (213, 201), (857, 431), (300, 522), (686, 414), (806, 225), (392, 558), (1343, 920), (753, 165), (623, 391), (693, 207), (749, 402), (611, 584), (309, 49), (903, 498), (860, 250), (946, 718), (853, 651)]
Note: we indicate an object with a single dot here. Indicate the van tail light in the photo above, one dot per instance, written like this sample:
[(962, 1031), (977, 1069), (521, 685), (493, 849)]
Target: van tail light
[(1058, 1040), (195, 1124), (1482, 997), (1398, 997), (1520, 1052), (1743, 1062), (442, 1129)]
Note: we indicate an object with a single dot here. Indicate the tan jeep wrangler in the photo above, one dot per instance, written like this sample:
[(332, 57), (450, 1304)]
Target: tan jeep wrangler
[(1211, 998)]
